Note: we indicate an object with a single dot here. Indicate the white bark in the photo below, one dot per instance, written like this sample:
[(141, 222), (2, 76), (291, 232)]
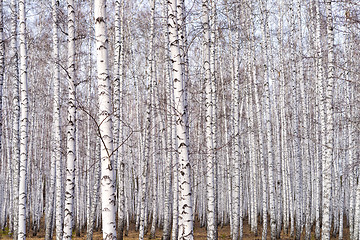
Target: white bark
[(118, 110), (116, 81), (283, 132), (140, 155), (173, 146), (95, 192), (350, 128), (267, 82), (4, 172), (59, 212), (169, 142), (214, 106), (227, 175), (153, 144), (296, 127), (356, 230), (236, 147), (2, 68), (229, 156), (145, 159), (71, 127), (175, 166), (56, 137), (210, 186), (105, 124), (327, 150), (304, 127), (88, 147), (321, 111), (185, 201), (23, 122), (78, 180), (260, 134), (252, 157), (16, 117)]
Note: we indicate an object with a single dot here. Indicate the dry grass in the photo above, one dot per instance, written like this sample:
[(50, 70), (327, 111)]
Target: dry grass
[(199, 233)]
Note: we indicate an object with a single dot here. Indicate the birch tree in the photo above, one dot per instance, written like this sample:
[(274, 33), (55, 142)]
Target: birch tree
[(56, 137), (16, 116), (118, 98), (153, 105), (210, 186), (185, 201), (23, 122), (169, 133), (236, 148), (296, 125), (2, 70), (267, 82), (96, 190), (327, 153), (350, 125), (89, 200), (260, 132), (71, 125), (321, 113), (105, 123)]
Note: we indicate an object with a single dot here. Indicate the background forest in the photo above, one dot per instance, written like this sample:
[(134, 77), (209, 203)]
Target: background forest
[(140, 115)]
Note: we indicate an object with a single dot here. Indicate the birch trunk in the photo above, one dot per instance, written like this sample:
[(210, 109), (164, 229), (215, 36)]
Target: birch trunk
[(175, 166), (327, 150), (278, 128), (185, 201), (236, 147), (350, 129), (56, 137), (77, 196), (296, 127), (357, 212), (95, 192), (88, 147), (153, 143), (253, 165), (210, 186), (214, 109), (71, 127), (2, 68), (105, 123), (229, 157), (146, 158), (260, 132), (304, 127), (16, 117), (140, 156), (59, 212), (267, 82), (3, 201), (283, 132), (321, 111), (122, 177), (116, 81), (23, 122), (118, 125), (169, 116)]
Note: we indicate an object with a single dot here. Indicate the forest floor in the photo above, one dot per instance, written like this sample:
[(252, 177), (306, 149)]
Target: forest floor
[(199, 233)]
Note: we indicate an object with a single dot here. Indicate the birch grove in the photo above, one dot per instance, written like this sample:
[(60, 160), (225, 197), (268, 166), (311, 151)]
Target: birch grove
[(179, 119)]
